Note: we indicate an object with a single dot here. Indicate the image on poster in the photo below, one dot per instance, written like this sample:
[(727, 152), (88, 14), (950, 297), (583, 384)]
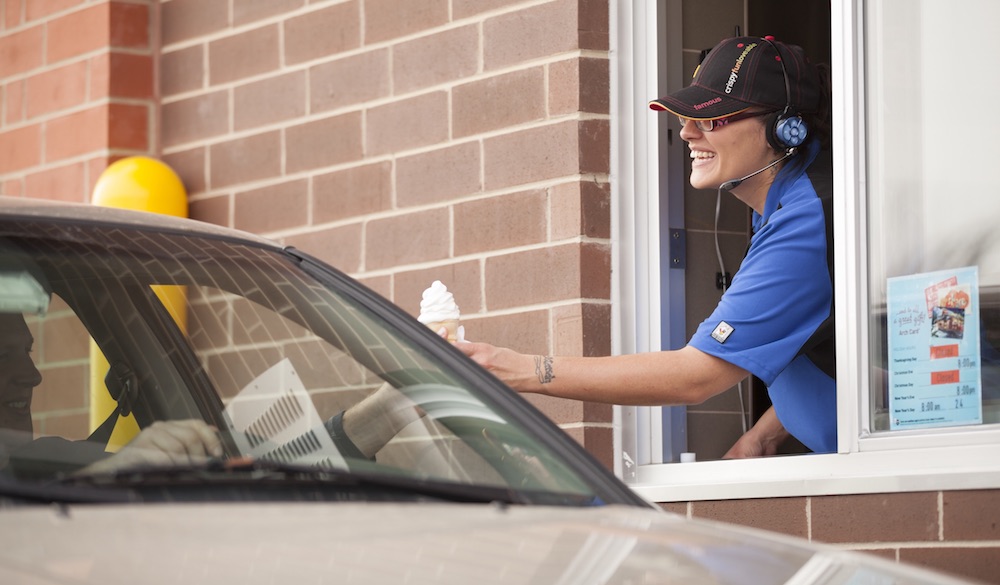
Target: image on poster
[(933, 340)]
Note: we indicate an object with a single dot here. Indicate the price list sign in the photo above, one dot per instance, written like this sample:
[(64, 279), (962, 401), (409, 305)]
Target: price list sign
[(933, 338)]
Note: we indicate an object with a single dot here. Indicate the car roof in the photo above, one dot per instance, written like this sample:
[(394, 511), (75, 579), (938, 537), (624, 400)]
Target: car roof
[(13, 208)]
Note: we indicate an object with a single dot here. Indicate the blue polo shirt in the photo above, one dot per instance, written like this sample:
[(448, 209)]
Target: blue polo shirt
[(776, 319)]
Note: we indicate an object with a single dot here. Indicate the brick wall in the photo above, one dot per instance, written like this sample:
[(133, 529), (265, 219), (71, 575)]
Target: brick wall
[(77, 84), (956, 531), (460, 140)]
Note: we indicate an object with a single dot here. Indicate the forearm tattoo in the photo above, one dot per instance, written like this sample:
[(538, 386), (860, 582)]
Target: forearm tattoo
[(543, 369)]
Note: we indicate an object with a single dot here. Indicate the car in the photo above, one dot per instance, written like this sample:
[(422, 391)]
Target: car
[(206, 405)]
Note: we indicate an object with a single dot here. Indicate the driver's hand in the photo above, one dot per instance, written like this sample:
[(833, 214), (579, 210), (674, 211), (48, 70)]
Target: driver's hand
[(175, 442)]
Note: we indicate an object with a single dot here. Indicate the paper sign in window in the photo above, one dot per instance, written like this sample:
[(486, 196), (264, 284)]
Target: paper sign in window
[(934, 350)]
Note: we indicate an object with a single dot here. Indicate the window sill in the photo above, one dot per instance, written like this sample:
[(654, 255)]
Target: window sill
[(890, 471)]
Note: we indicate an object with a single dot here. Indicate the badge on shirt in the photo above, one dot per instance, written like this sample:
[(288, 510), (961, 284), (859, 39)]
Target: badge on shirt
[(722, 332)]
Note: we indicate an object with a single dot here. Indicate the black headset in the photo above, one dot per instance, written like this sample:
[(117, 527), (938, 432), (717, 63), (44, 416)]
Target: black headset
[(785, 129)]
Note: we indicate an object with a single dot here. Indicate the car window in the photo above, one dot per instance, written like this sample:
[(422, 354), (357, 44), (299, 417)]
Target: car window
[(284, 359)]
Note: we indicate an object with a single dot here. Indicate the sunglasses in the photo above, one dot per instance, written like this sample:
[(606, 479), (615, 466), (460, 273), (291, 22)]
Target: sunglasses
[(709, 125)]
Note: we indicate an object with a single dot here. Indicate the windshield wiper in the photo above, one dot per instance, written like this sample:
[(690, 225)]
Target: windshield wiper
[(248, 473), (50, 493)]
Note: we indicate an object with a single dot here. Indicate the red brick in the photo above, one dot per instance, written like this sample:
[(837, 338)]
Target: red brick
[(182, 70), (66, 183), (438, 175), (77, 133), (38, 9), (407, 124), (21, 51), (785, 515), (579, 85), (129, 126), (536, 154), (215, 210), (435, 59), (598, 441), (595, 150), (181, 20), (190, 167), (408, 239), (595, 271), (196, 118), (243, 54), (245, 159), (547, 275), (56, 89), (353, 192), (390, 19), (499, 102), (526, 332), (129, 25), (532, 33), (246, 11), (272, 208), (583, 329), (461, 278), (323, 33), (13, 187), (270, 100), (13, 96), (11, 13), (505, 221), (594, 25), (20, 148), (862, 518), (466, 8), (78, 32), (559, 410), (979, 563), (130, 76), (349, 81), (580, 209), (381, 285), (339, 246), (94, 166), (971, 515), (325, 142)]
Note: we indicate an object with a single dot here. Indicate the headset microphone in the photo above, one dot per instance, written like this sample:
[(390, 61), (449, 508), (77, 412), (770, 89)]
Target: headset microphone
[(729, 185)]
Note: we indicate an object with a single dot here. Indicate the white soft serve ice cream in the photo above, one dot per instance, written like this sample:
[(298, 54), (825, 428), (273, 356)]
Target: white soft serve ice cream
[(438, 309)]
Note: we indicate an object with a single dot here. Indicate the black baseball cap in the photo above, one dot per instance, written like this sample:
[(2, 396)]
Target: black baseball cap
[(744, 72)]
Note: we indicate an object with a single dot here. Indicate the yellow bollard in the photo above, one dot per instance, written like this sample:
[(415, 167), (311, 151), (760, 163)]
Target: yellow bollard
[(144, 184)]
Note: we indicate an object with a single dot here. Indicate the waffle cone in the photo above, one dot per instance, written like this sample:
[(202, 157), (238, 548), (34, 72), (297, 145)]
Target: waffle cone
[(451, 325)]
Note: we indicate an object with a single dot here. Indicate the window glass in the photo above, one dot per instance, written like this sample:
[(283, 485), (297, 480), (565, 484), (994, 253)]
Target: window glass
[(934, 249)]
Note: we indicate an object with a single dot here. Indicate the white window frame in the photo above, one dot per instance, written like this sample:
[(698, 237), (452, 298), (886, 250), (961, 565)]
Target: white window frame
[(939, 459)]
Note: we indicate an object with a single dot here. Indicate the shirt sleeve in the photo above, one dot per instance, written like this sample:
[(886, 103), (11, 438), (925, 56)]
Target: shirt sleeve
[(779, 296)]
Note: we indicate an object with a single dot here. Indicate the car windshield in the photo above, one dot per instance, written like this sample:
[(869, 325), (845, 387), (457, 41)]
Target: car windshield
[(295, 365)]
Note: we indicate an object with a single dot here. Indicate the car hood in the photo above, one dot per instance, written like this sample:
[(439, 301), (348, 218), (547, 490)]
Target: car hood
[(403, 543)]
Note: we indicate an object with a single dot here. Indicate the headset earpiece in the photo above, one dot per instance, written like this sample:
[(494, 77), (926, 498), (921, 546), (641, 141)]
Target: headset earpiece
[(786, 131)]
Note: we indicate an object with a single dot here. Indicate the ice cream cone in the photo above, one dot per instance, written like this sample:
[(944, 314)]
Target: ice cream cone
[(450, 324)]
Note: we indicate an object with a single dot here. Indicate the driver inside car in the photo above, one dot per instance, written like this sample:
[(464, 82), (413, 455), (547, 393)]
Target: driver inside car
[(162, 443)]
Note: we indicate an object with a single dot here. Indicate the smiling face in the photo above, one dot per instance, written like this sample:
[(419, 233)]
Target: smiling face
[(731, 151), (18, 374)]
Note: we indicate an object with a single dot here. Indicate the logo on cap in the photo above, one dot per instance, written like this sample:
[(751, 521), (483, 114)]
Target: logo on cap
[(734, 75), (710, 102)]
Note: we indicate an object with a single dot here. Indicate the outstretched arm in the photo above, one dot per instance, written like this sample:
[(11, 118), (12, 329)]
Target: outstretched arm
[(684, 376)]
